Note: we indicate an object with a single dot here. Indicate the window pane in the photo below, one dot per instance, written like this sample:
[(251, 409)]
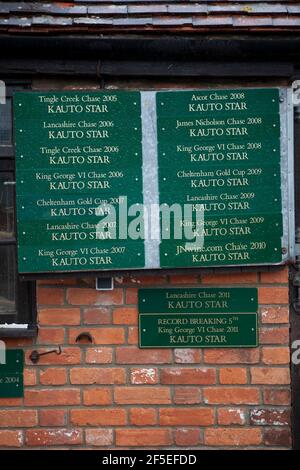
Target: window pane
[(7, 280), (6, 123), (7, 218)]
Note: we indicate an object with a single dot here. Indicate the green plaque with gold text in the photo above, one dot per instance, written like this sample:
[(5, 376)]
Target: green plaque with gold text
[(219, 154), (79, 159), (198, 317)]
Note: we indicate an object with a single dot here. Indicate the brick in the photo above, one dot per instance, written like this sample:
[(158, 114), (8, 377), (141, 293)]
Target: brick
[(53, 376), (183, 279), (131, 295), (83, 296), (59, 316), (12, 343), (232, 437), (50, 296), (152, 280), (125, 316), (29, 377), (233, 375), (133, 335), (97, 316), (143, 437), (274, 335), (98, 355), (97, 396), (232, 395), (277, 396), (181, 416), (50, 418), (68, 356), (18, 418), (273, 295), (142, 395), (101, 417), (231, 356), (276, 355), (187, 437), (230, 278), (52, 437), (277, 437), (231, 416), (99, 437), (269, 417), (51, 336), (187, 356), (11, 438), (143, 416), (276, 277), (100, 335), (4, 402), (187, 395), (97, 375), (132, 355), (179, 376), (270, 375), (52, 397), (274, 314), (140, 376), (57, 282)]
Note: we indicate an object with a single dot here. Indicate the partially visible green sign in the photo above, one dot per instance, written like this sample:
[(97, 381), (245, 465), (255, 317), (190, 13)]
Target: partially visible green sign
[(221, 330), (198, 300), (11, 373)]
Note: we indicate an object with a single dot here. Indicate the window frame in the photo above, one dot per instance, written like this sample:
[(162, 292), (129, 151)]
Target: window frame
[(26, 311)]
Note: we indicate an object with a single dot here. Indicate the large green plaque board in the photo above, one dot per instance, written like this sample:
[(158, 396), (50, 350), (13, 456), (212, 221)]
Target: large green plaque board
[(198, 317), (85, 160), (219, 151), (79, 157), (11, 374)]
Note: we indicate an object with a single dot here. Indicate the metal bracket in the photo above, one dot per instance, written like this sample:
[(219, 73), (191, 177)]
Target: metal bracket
[(35, 355)]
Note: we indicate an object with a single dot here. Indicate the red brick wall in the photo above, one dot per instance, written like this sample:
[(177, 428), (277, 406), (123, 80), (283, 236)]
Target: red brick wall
[(110, 394)]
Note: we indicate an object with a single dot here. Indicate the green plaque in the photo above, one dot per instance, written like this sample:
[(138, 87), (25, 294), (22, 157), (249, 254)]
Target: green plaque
[(223, 330), (219, 154), (11, 374), (78, 159), (198, 300), (198, 317)]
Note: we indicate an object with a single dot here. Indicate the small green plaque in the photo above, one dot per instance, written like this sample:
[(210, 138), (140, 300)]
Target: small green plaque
[(11, 374), (198, 300), (198, 317), (202, 330)]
